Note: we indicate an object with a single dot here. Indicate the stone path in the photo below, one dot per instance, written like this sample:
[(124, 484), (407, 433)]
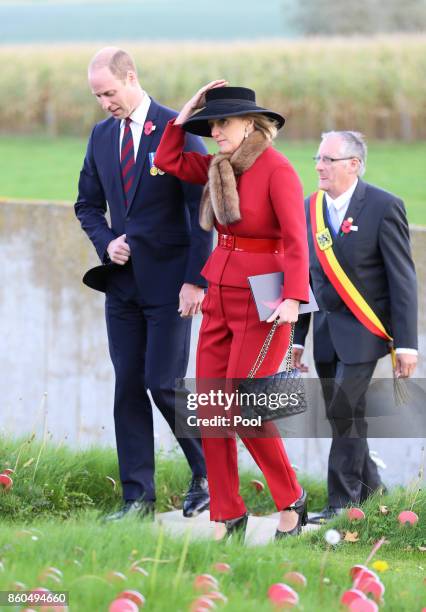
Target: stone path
[(260, 529)]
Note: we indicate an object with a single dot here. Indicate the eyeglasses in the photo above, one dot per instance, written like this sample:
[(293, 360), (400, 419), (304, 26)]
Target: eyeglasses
[(329, 160)]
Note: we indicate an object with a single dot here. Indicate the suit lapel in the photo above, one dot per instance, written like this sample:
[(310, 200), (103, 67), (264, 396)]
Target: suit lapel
[(354, 208), (116, 167), (142, 155)]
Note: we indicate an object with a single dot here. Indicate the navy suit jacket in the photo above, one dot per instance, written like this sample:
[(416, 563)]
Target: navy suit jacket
[(168, 246), (379, 255)]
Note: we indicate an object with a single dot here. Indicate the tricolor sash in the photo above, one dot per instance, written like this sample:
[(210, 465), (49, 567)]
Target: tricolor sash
[(332, 267)]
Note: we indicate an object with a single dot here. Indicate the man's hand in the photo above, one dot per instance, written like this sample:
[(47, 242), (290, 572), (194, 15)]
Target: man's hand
[(118, 250), (296, 357), (190, 298), (405, 365)]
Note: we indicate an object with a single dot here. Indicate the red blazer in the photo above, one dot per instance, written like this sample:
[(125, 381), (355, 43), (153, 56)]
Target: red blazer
[(271, 206)]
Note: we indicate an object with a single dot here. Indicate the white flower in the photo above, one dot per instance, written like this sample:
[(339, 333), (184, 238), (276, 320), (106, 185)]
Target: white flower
[(332, 537)]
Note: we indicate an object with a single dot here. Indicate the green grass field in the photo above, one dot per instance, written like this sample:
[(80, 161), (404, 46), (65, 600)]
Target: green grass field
[(51, 515), (42, 168)]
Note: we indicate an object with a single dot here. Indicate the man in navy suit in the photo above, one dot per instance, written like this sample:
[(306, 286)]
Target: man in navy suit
[(152, 253), (367, 230)]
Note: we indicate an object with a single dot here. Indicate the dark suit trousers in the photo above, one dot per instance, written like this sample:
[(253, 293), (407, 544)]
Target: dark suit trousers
[(352, 474), (149, 348)]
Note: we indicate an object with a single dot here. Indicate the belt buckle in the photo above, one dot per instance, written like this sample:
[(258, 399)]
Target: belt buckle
[(227, 241)]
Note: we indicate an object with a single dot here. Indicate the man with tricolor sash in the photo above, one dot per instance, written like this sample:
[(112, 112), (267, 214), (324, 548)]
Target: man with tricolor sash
[(364, 280)]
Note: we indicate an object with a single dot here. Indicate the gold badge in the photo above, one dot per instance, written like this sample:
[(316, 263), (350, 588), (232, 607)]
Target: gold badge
[(324, 239), (153, 171)]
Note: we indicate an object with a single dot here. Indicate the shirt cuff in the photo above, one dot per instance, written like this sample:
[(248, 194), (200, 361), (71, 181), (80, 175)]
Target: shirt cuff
[(298, 346), (408, 351)]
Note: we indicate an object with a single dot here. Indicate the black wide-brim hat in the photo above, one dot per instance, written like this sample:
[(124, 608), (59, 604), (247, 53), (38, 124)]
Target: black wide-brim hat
[(224, 102)]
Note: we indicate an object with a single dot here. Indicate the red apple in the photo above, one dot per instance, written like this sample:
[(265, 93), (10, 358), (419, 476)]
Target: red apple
[(116, 577), (375, 587), (363, 605), (355, 514), (295, 578), (54, 570), (205, 583), (408, 518), (123, 605), (356, 570), (349, 596), (6, 482), (222, 568), (135, 596), (258, 485), (282, 595), (40, 590), (202, 604), (364, 576), (18, 586), (50, 576), (139, 570), (217, 596)]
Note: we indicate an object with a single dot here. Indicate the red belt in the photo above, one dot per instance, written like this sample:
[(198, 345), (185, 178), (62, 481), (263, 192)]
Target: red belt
[(250, 245)]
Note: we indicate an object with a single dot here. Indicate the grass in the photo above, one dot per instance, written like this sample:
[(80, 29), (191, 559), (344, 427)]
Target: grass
[(48, 169), (87, 552), (57, 481), (49, 519)]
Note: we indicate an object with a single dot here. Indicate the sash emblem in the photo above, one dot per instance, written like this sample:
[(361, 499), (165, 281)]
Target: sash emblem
[(324, 239)]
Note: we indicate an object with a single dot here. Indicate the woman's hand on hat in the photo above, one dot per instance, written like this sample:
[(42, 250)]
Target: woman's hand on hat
[(198, 100), (287, 312)]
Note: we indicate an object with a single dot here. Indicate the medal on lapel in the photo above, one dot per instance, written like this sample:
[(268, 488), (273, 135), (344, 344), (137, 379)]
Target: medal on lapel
[(153, 170), (324, 239)]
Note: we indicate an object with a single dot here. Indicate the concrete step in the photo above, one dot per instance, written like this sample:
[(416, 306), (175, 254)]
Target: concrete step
[(260, 529)]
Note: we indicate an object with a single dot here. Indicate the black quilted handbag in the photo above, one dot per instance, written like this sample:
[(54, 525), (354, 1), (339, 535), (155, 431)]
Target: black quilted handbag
[(273, 397)]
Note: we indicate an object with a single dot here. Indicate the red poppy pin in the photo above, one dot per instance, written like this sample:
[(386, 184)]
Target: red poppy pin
[(148, 128), (347, 226)]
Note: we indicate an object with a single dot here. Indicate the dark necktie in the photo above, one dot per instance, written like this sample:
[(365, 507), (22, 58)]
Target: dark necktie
[(127, 160)]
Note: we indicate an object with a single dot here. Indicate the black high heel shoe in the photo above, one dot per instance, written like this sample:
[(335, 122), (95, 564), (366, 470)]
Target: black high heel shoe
[(236, 527), (301, 507)]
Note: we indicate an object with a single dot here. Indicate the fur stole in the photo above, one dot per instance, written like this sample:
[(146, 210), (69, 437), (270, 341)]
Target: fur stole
[(220, 196)]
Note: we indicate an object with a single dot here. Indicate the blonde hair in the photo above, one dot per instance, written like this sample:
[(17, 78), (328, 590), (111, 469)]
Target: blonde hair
[(264, 124)]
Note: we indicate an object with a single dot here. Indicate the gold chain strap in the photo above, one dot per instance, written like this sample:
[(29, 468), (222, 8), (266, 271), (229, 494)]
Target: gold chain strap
[(263, 351)]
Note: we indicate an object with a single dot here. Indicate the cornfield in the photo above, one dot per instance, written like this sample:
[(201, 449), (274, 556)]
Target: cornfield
[(376, 85)]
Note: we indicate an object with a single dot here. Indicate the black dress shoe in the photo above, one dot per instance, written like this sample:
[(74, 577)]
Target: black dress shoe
[(301, 507), (236, 528), (197, 498), (329, 513), (133, 507)]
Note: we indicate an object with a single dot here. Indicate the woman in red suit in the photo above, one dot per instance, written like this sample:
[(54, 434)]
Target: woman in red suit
[(254, 198)]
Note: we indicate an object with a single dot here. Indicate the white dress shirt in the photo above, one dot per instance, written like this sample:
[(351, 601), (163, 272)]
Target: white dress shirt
[(341, 204), (138, 118)]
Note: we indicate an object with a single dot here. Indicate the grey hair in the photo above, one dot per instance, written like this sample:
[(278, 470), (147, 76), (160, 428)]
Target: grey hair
[(353, 145)]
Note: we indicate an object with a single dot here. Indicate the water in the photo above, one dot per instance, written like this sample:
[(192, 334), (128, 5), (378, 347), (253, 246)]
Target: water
[(55, 372)]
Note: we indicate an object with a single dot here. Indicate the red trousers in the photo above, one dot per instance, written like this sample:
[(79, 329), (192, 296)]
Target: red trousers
[(230, 339)]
